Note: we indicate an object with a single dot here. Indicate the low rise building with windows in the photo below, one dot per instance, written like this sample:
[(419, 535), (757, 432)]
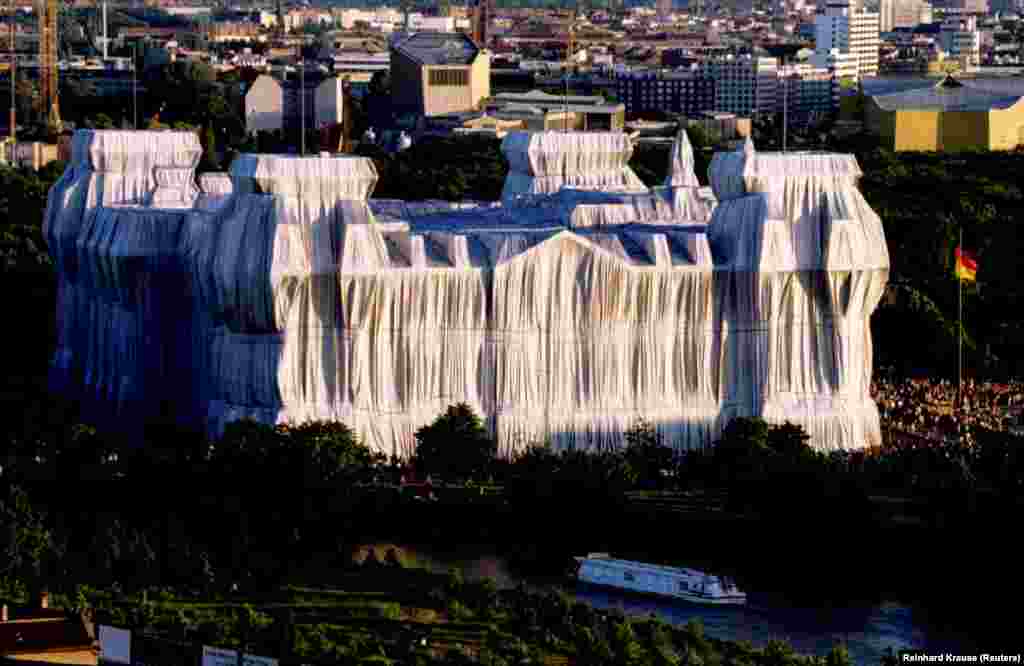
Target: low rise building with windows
[(687, 92), (436, 73)]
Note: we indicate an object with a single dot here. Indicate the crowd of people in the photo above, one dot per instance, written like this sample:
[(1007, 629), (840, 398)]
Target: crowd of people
[(929, 408)]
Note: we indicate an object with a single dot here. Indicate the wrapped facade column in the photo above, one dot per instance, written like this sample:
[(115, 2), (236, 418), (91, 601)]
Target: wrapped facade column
[(805, 263), (121, 308)]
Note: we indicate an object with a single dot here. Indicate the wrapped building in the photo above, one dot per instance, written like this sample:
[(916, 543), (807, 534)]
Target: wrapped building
[(582, 301)]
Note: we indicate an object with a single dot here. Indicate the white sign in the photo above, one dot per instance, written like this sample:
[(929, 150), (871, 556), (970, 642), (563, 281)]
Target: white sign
[(219, 657), (252, 660), (115, 645)]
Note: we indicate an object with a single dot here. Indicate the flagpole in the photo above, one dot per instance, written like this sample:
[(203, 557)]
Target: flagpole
[(960, 330)]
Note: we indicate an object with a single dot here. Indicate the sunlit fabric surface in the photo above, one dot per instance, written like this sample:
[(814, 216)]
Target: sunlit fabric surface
[(544, 162), (559, 318)]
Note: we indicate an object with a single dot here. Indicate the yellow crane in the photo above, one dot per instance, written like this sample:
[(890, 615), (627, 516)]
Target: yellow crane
[(48, 12)]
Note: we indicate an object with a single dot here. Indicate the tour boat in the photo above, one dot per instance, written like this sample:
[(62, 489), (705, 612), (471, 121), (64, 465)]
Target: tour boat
[(675, 582)]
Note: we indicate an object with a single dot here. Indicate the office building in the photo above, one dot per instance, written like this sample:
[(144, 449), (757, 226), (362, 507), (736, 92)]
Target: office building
[(960, 38), (688, 93), (847, 30), (744, 85), (807, 94)]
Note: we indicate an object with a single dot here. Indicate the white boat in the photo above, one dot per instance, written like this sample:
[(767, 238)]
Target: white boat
[(675, 582)]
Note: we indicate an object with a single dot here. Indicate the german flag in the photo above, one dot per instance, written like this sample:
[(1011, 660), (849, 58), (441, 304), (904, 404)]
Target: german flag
[(966, 265)]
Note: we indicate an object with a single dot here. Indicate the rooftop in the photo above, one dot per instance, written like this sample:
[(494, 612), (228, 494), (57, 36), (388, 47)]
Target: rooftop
[(541, 97), (948, 95), (439, 48)]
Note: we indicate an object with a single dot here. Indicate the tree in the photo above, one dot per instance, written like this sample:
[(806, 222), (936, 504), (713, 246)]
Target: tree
[(456, 444), (26, 541), (103, 121), (789, 441), (742, 451), (646, 453), (209, 162)]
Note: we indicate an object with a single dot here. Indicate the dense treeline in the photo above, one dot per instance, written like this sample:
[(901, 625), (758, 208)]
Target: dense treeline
[(248, 506)]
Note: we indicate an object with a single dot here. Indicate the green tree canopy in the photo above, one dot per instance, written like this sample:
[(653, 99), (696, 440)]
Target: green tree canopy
[(456, 444)]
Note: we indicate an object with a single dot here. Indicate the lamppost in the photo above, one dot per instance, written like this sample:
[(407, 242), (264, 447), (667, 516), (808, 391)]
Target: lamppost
[(135, 96)]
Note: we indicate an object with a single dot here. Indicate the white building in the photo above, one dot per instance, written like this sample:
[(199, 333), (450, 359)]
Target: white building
[(894, 14), (420, 23), (848, 30), (960, 38), (842, 65), (743, 85)]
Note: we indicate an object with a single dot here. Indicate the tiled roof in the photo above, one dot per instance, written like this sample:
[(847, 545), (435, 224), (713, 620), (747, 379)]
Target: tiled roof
[(439, 48)]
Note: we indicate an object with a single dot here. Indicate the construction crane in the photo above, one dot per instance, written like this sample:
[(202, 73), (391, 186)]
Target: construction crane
[(482, 23), (48, 12)]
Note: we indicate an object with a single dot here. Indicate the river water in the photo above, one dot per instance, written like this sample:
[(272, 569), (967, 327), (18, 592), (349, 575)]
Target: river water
[(867, 627)]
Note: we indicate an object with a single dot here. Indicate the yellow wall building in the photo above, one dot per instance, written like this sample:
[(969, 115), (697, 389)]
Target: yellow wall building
[(950, 116)]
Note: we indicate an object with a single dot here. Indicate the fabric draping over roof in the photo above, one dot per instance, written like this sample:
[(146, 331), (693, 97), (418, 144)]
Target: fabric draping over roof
[(560, 318), (541, 163), (680, 164)]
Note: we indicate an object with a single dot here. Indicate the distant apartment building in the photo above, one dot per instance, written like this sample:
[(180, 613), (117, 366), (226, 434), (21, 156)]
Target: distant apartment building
[(688, 93), (960, 38), (963, 6), (421, 23), (807, 93), (276, 104), (894, 14), (678, 57), (744, 85), (847, 30), (234, 31), (374, 18), (295, 19), (1006, 6), (842, 65), (435, 73)]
